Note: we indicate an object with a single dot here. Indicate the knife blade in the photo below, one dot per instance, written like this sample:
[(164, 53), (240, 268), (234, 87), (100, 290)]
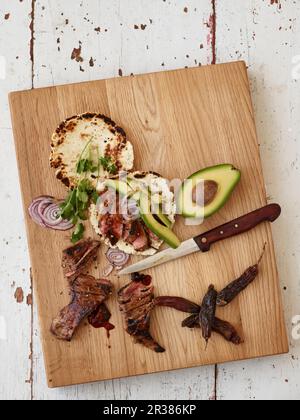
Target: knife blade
[(204, 241)]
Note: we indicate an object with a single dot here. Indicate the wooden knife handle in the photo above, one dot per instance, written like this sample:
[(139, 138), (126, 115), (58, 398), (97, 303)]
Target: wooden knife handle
[(241, 225)]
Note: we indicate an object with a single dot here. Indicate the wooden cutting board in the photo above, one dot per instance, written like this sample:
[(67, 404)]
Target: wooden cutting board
[(178, 122)]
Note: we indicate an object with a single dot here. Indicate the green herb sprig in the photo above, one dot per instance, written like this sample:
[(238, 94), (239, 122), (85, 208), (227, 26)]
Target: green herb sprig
[(75, 207), (108, 165)]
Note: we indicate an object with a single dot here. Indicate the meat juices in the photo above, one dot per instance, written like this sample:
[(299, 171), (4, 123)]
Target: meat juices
[(76, 258), (100, 319), (87, 294), (136, 302)]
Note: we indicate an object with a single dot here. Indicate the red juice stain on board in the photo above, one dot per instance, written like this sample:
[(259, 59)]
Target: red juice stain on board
[(100, 319)]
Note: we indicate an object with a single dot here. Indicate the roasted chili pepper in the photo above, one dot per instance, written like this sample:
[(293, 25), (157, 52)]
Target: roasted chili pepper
[(227, 331), (182, 305), (223, 328), (231, 291), (191, 322), (208, 312)]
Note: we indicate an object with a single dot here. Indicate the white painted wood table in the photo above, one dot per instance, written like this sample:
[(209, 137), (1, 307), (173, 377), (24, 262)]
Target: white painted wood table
[(120, 37)]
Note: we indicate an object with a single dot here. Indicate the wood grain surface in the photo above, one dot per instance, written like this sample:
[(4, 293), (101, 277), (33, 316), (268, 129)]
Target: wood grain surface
[(178, 122)]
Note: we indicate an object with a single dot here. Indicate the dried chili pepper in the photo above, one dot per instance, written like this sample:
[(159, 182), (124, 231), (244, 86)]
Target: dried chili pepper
[(191, 322), (223, 328), (180, 304), (208, 312), (231, 291), (227, 331)]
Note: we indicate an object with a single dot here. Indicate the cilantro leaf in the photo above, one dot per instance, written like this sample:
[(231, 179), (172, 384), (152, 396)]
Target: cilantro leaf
[(85, 165), (78, 233), (95, 197), (108, 165)]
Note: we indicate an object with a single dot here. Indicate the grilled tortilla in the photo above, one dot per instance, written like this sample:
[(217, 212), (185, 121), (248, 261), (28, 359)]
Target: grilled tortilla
[(100, 135), (129, 237)]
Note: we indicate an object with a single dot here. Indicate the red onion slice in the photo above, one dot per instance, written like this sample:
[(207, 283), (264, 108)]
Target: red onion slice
[(46, 201), (117, 258), (35, 209), (45, 212)]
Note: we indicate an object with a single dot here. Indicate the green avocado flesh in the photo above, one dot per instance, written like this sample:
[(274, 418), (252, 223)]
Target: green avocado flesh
[(165, 220), (218, 182), (157, 228), (125, 189)]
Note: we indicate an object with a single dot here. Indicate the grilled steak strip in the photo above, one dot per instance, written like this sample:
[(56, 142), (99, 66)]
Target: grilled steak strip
[(76, 258), (136, 302), (87, 294)]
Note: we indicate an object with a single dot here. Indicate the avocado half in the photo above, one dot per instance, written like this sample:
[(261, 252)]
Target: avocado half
[(218, 182)]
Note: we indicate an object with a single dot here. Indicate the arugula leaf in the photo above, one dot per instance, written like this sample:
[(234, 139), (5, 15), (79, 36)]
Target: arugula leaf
[(77, 235)]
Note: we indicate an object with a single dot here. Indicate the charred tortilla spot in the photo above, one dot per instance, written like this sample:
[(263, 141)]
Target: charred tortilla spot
[(140, 175), (88, 116), (71, 126), (71, 118), (121, 131), (56, 163), (66, 181), (155, 173), (59, 175)]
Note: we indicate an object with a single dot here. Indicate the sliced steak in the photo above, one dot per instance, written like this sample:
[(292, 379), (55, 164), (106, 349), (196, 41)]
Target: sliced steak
[(87, 294), (76, 258), (135, 234), (111, 226), (136, 302)]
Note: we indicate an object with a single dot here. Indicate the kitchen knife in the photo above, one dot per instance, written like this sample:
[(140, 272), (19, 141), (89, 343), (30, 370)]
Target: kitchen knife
[(204, 241)]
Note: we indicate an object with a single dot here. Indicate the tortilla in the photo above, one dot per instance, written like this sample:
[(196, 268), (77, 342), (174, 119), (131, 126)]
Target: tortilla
[(95, 135)]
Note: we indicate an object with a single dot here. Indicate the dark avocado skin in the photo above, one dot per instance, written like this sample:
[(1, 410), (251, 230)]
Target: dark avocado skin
[(226, 176)]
